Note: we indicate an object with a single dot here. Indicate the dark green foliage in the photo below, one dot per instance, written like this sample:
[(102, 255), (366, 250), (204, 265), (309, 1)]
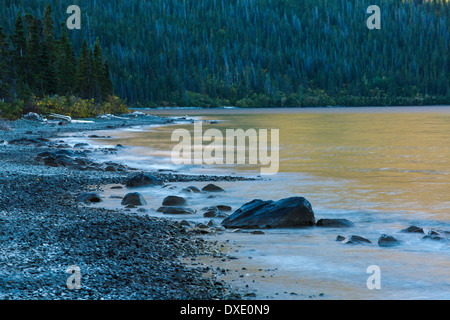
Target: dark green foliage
[(5, 67), (260, 52), (34, 64)]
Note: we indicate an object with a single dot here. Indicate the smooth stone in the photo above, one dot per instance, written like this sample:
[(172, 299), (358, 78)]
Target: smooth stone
[(142, 180), (353, 239), (89, 197), (413, 229), (335, 223), (134, 198), (212, 188), (387, 241), (174, 201), (176, 210)]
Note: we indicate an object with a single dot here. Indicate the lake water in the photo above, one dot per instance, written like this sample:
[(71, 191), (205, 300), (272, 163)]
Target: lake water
[(384, 169)]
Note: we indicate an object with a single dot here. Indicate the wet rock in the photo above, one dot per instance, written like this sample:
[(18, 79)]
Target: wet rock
[(340, 238), (185, 223), (176, 210), (335, 223), (142, 180), (434, 237), (212, 188), (88, 197), (134, 198), (218, 207), (387, 241), (191, 189), (49, 161), (213, 212), (285, 213), (25, 141), (81, 145), (174, 201), (257, 232), (210, 214), (413, 229), (353, 239)]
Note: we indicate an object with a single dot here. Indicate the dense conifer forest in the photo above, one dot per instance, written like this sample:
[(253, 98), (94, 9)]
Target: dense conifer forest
[(245, 53)]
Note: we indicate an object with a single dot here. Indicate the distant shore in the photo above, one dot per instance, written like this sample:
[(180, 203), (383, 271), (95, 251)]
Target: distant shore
[(235, 110)]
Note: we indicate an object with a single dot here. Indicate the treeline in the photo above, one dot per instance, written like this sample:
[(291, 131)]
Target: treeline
[(265, 52), (34, 62)]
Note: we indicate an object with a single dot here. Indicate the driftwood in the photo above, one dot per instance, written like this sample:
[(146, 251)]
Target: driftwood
[(61, 117)]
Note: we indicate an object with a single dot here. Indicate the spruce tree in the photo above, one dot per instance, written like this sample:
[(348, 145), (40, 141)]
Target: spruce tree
[(48, 53), (107, 85), (19, 41), (32, 57), (98, 71), (82, 75), (65, 65), (5, 67)]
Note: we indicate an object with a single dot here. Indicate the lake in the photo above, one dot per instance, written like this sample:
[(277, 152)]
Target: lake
[(384, 169)]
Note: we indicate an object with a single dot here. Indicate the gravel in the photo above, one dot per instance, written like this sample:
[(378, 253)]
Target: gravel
[(44, 230)]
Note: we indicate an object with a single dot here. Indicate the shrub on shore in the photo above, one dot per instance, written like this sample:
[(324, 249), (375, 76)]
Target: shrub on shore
[(72, 106)]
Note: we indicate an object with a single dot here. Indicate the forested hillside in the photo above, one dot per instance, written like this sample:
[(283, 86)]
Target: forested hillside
[(263, 52)]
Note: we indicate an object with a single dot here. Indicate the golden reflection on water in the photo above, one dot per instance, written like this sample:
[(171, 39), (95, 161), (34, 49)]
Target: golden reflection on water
[(388, 158)]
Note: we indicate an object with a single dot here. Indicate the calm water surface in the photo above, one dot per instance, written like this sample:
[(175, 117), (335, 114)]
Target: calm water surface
[(382, 168)]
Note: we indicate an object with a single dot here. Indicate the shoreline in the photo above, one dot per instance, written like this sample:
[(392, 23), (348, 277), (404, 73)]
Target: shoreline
[(121, 256), (331, 109)]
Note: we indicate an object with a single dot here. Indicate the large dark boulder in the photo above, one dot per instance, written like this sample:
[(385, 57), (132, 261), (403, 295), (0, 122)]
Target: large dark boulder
[(142, 180), (134, 198), (334, 223), (286, 213)]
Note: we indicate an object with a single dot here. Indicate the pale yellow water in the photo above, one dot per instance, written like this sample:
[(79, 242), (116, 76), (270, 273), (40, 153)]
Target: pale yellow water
[(382, 168)]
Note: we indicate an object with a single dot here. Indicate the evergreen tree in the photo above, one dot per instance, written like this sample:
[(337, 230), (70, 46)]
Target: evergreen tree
[(5, 67), (82, 75), (48, 53), (19, 58), (98, 71), (65, 64), (107, 85), (33, 54)]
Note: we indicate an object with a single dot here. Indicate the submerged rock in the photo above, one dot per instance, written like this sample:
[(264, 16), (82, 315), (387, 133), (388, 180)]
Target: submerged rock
[(191, 189), (335, 223), (413, 229), (434, 237), (142, 180), (134, 198), (176, 210), (285, 213), (387, 241), (354, 239)]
